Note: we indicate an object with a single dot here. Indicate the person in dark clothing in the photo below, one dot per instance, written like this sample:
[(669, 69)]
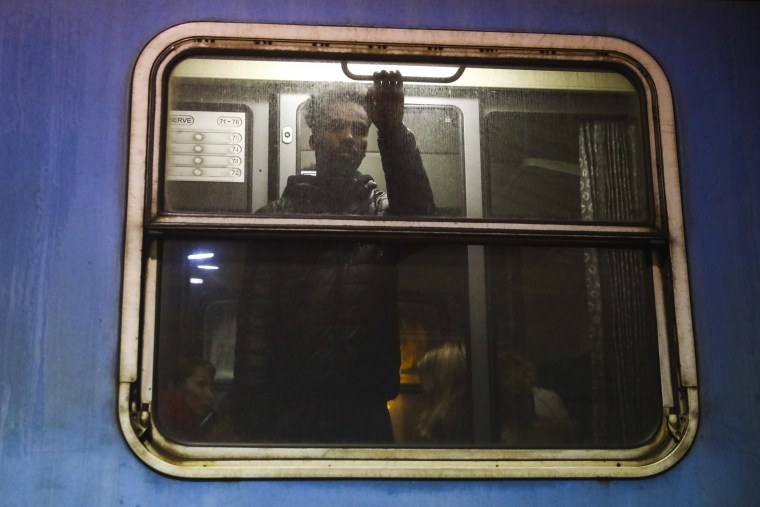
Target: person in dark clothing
[(317, 353)]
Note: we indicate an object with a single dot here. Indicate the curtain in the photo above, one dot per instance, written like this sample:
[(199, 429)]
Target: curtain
[(625, 375)]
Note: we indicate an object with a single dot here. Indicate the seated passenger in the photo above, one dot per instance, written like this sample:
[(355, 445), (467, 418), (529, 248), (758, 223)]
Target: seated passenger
[(529, 415), (186, 405), (443, 374)]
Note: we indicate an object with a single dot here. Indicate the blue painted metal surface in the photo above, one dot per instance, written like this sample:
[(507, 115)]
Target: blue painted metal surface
[(65, 71)]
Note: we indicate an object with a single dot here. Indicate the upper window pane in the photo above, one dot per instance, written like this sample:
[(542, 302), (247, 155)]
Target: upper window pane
[(320, 138)]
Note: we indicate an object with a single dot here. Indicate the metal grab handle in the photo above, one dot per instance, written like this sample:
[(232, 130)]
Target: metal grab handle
[(407, 79)]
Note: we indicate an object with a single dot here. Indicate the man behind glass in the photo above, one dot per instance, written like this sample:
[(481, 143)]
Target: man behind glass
[(317, 354)]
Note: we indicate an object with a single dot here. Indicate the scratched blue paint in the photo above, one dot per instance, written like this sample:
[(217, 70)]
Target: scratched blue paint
[(64, 91)]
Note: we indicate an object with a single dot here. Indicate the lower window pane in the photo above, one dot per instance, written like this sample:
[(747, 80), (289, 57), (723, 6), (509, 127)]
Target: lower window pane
[(321, 343)]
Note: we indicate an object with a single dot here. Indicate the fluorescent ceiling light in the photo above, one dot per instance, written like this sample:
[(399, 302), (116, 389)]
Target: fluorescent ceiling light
[(201, 255)]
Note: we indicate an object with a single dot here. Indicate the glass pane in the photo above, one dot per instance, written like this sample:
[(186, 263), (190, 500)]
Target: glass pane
[(325, 342), (566, 167), (298, 137)]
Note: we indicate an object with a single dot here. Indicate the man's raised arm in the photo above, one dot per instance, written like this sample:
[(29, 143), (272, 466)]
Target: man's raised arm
[(409, 191)]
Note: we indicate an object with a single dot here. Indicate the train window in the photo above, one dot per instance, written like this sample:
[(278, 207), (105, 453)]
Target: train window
[(380, 253)]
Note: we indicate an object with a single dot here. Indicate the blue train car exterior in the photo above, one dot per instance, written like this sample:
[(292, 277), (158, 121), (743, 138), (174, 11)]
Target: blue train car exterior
[(65, 71)]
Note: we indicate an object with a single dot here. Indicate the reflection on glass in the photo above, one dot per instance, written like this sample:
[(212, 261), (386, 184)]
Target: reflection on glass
[(346, 343), (496, 143)]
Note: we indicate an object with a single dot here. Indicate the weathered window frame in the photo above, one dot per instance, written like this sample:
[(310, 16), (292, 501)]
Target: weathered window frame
[(677, 357)]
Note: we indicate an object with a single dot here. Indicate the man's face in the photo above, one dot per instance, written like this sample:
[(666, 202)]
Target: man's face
[(339, 139)]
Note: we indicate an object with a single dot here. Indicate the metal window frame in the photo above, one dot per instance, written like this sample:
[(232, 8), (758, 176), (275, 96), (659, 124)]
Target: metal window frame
[(144, 222)]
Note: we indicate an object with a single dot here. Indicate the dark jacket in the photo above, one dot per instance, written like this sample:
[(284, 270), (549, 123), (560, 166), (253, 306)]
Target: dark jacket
[(317, 354)]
